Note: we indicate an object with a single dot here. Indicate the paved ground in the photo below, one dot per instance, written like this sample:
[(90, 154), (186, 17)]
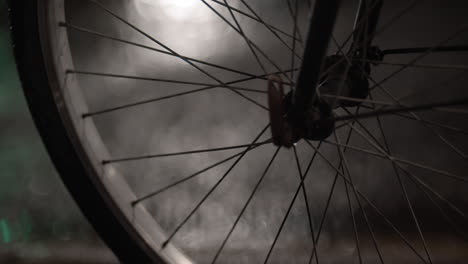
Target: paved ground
[(443, 250)]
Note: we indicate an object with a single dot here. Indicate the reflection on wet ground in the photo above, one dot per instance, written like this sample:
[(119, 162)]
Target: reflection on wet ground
[(442, 250), (57, 252)]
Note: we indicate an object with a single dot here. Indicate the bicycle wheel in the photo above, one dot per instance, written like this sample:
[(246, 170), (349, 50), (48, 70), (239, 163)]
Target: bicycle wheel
[(158, 115)]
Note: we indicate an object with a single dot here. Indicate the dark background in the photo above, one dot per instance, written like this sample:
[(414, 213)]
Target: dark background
[(39, 221)]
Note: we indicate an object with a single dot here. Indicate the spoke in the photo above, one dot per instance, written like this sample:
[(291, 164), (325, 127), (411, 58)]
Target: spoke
[(153, 156), (295, 31), (364, 36), (426, 122), (322, 221), (162, 98), (380, 213), (424, 54), (343, 81), (453, 48), (255, 18), (104, 36), (247, 41), (338, 97), (388, 111), (435, 124), (251, 44), (415, 179), (291, 204), (442, 138), (234, 89), (399, 160), (447, 218), (171, 185), (397, 101), (435, 193), (304, 194), (110, 12), (355, 148), (142, 78), (453, 110), (378, 32), (345, 170), (392, 20), (195, 209), (351, 212), (271, 30), (257, 185), (420, 65), (366, 42), (403, 188)]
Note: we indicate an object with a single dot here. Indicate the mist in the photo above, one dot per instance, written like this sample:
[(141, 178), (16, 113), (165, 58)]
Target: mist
[(218, 117)]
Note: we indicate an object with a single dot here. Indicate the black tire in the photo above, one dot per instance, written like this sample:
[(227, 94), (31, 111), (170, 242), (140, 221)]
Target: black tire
[(92, 199)]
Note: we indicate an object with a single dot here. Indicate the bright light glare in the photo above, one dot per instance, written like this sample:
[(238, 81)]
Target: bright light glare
[(175, 9), (187, 26)]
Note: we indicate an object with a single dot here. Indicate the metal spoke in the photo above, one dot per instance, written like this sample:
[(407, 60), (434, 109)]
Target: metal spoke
[(247, 41), (442, 138), (386, 25), (399, 160), (304, 194), (368, 226), (366, 30), (295, 31), (380, 213), (246, 204), (142, 78), (435, 193), (453, 110), (447, 218), (171, 185), (403, 188), (105, 36), (432, 123), (162, 98), (271, 30), (419, 65), (421, 183), (397, 101), (345, 170), (251, 44), (212, 189), (365, 34), (291, 204), (352, 99), (362, 150), (428, 122), (453, 48), (153, 156), (110, 12), (455, 227), (256, 19), (424, 54), (387, 111)]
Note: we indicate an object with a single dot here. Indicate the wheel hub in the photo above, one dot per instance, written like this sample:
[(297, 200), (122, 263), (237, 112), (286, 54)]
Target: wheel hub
[(340, 86)]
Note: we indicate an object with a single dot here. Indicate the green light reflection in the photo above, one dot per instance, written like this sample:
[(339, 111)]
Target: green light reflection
[(6, 235)]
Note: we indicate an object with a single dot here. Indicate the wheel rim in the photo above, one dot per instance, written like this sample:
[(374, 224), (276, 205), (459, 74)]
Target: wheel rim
[(134, 207)]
